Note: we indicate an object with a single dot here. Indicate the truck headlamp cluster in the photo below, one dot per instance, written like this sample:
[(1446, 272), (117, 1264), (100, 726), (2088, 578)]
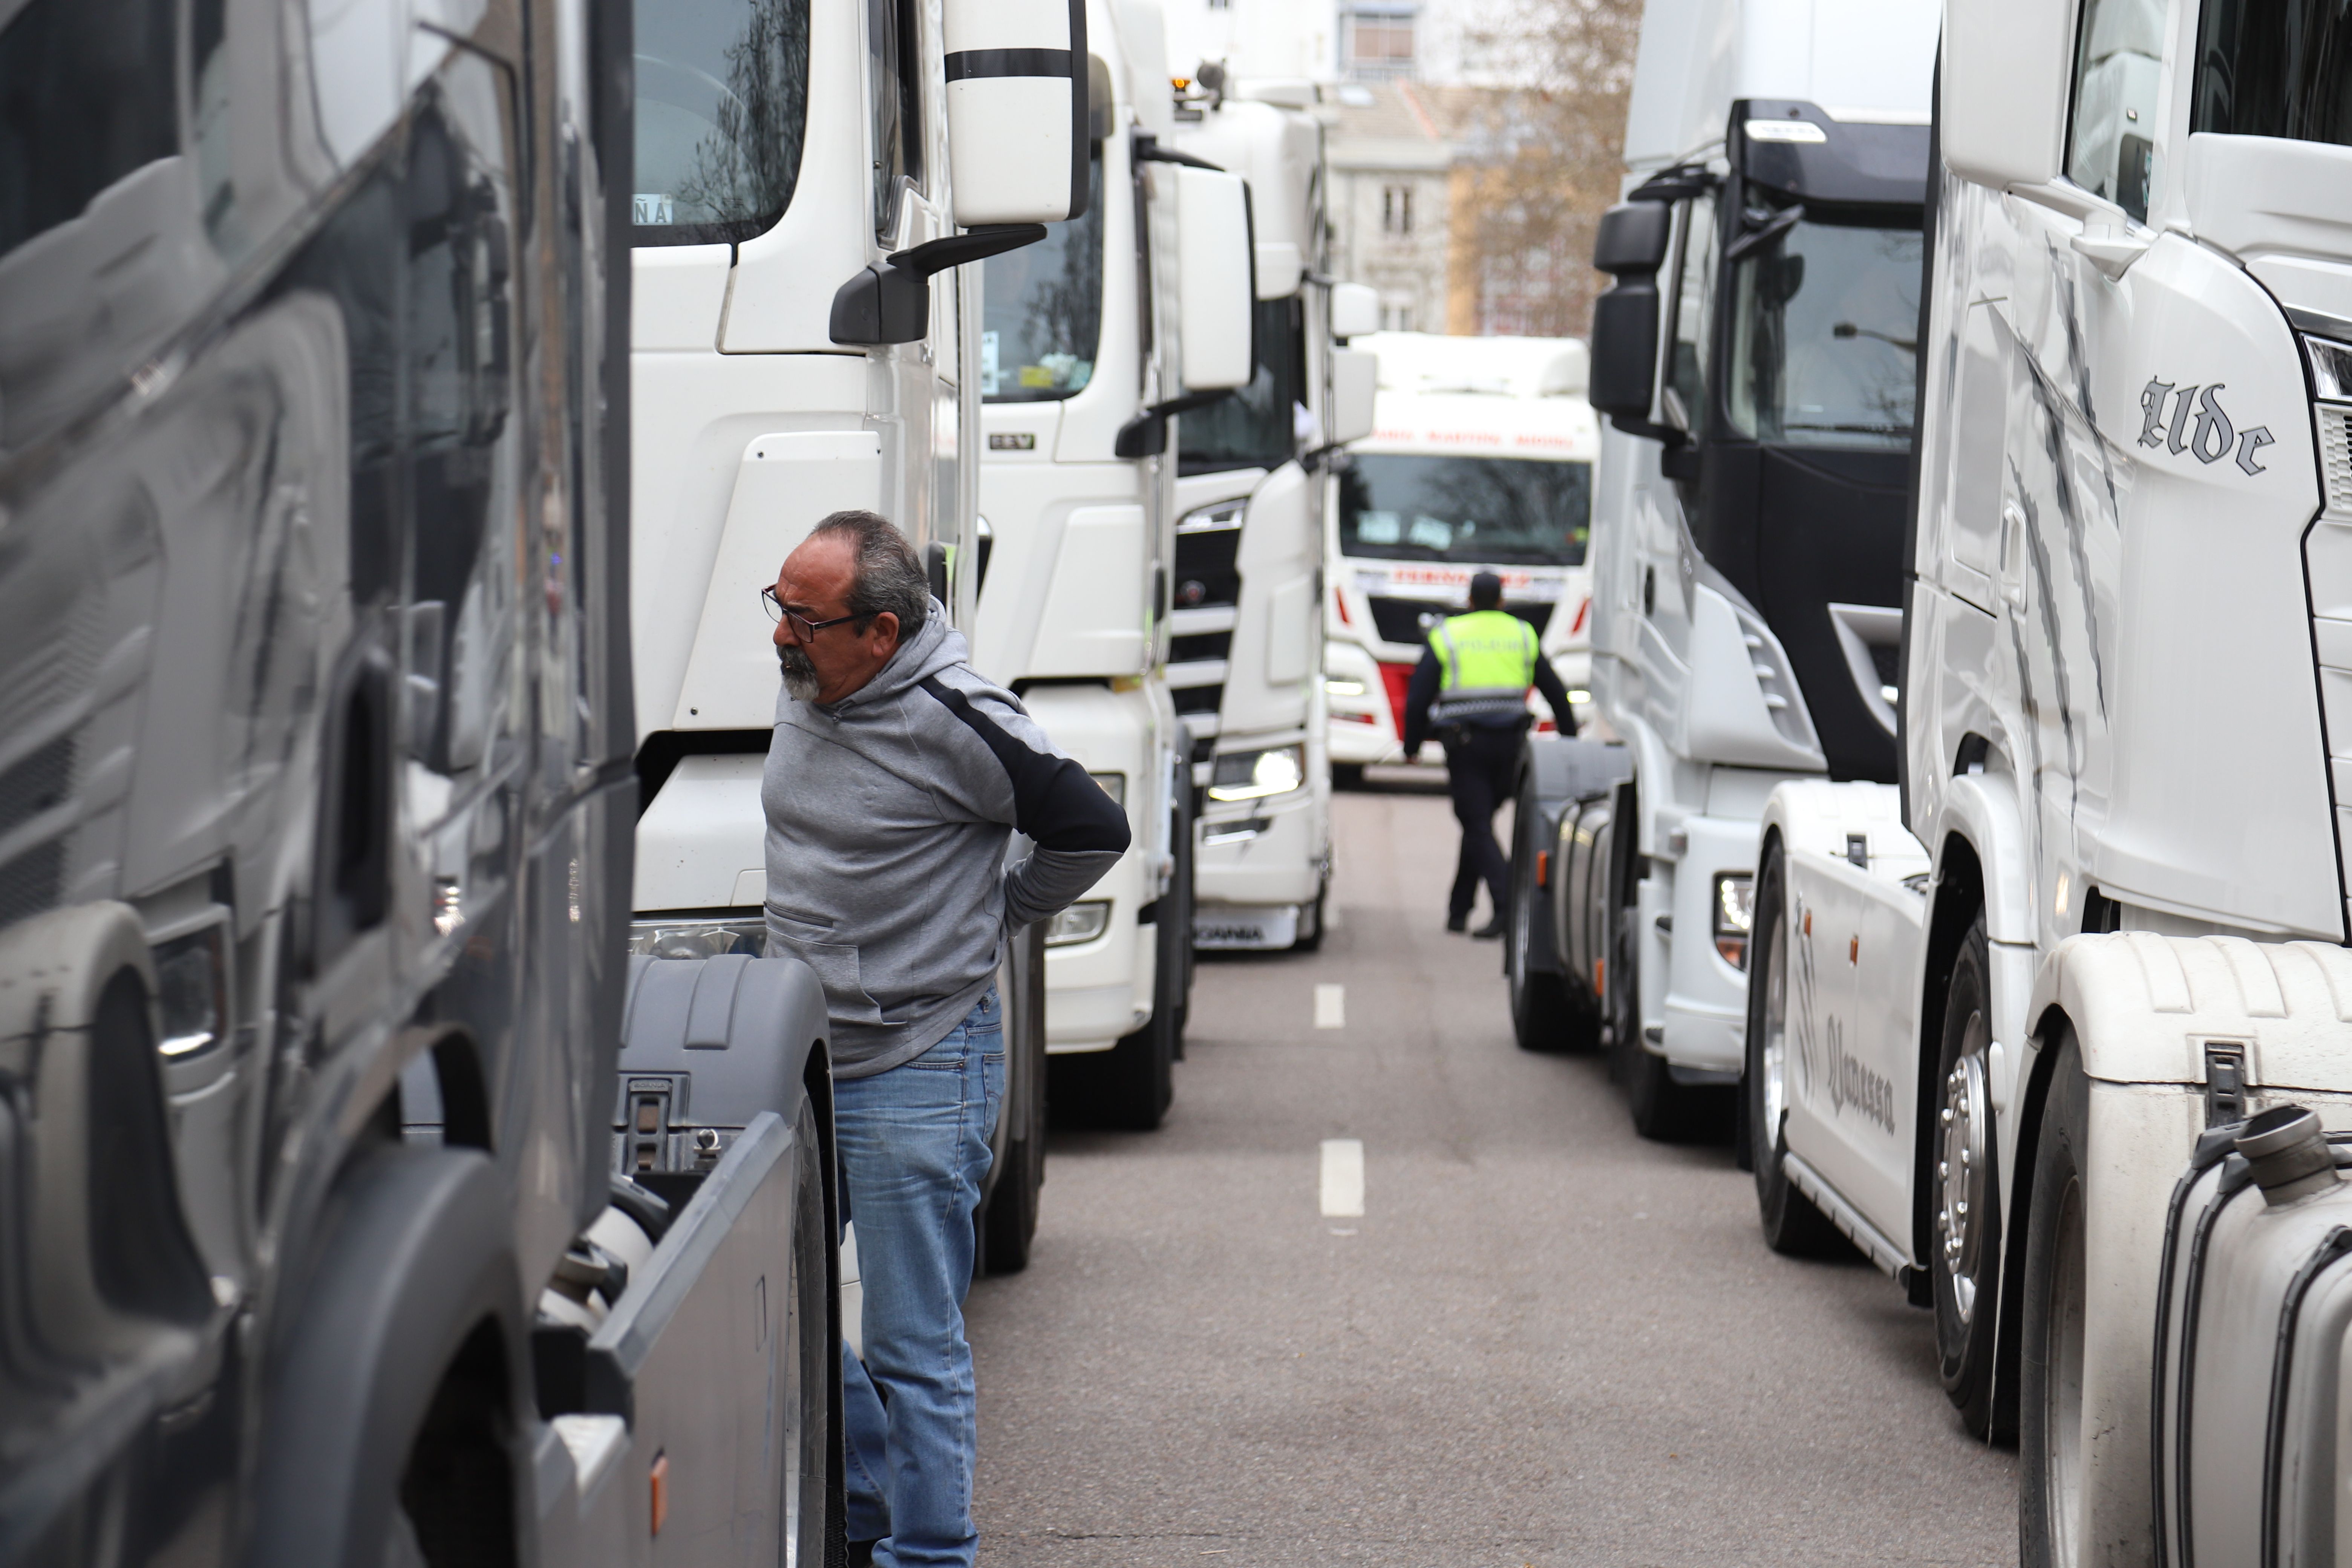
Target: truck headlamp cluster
[(2331, 380), (1253, 776), (1734, 915), (698, 938), (1079, 922)]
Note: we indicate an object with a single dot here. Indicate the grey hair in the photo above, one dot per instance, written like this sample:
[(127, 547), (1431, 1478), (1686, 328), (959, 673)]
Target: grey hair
[(888, 575)]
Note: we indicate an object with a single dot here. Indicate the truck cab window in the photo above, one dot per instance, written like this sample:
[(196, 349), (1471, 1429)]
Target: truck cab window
[(1693, 311), (2273, 68), (2117, 57), (722, 108), (893, 63), (90, 94), (1824, 337), (1256, 428), (1043, 313)]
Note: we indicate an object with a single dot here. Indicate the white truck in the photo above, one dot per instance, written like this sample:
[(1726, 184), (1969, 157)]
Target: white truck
[(1245, 634), (1480, 460), (1754, 359), (1091, 344), (1994, 1007), (806, 339)]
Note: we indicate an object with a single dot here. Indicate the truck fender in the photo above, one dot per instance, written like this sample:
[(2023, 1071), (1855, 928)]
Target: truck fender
[(2147, 1008), (1981, 808), (419, 1259)]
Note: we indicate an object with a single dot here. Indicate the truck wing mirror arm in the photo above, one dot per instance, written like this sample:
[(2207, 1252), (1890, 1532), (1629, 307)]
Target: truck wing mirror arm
[(1147, 149), (891, 303), (1146, 434)]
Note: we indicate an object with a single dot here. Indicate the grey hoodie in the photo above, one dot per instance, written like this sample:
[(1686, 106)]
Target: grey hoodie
[(888, 815)]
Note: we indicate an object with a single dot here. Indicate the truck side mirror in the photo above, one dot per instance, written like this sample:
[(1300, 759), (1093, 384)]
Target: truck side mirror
[(1279, 268), (1632, 246), (1355, 311), (1355, 383), (1017, 109), (2002, 89), (1214, 294)]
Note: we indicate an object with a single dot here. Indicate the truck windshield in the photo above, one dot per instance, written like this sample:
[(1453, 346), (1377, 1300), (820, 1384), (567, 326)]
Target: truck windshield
[(722, 105), (2274, 68), (1256, 428), (1823, 339), (1043, 315), (1467, 511)]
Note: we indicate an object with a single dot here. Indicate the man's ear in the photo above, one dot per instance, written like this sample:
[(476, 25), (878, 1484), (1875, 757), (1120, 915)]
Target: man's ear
[(885, 624)]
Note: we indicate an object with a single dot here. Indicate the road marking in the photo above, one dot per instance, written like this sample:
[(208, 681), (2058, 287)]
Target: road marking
[(1330, 1006), (1343, 1176)]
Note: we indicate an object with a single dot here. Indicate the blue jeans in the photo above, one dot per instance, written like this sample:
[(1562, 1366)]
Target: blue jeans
[(914, 1151)]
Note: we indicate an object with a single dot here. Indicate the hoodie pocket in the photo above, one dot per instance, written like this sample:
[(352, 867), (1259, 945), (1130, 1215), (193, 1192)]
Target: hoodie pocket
[(836, 964)]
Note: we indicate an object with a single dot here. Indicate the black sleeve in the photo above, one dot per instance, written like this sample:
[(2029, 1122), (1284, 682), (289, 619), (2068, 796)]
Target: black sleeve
[(1417, 699), (1053, 801), (1548, 682)]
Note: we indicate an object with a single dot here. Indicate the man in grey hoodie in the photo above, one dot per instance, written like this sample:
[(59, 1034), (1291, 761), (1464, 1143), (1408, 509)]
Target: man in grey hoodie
[(895, 780)]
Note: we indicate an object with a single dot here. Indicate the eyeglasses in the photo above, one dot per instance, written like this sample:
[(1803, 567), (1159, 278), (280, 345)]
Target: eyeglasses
[(802, 627)]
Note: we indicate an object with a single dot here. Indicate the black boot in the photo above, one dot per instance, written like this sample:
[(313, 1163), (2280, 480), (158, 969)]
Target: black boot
[(1490, 931), (1460, 922)]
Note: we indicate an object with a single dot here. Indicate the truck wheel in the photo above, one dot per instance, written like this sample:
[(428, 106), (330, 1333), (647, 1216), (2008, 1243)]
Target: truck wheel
[(808, 1507), (1540, 1003), (1173, 983), (2050, 1386), (1964, 1261), (1792, 1225), (1127, 1088), (1009, 1219)]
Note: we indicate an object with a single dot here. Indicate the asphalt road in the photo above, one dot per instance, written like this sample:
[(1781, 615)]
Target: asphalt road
[(1545, 1340)]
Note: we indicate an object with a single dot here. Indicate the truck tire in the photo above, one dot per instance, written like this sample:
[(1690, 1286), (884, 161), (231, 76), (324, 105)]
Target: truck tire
[(1175, 978), (1127, 1088), (1963, 1188), (1792, 1225), (1540, 1007), (2052, 1465), (1008, 1220)]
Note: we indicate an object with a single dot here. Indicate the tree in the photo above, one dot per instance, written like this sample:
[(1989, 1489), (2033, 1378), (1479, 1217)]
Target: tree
[(1543, 159)]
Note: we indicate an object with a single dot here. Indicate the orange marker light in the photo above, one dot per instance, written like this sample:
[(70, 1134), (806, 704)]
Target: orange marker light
[(660, 1481), (1543, 868)]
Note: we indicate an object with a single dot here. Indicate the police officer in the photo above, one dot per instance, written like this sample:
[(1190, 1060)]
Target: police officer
[(1471, 689)]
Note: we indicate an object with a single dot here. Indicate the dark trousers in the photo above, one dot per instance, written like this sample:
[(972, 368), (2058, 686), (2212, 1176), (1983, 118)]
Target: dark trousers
[(1479, 762)]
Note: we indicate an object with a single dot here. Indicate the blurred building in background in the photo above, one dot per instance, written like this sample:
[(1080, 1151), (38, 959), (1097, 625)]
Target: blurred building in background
[(1473, 144)]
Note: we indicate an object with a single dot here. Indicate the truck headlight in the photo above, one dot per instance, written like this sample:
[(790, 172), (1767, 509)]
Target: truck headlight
[(1253, 776), (1340, 686), (698, 938), (1079, 922), (1734, 915), (1113, 786)]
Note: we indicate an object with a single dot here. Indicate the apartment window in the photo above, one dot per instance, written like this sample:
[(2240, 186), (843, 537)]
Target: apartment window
[(1396, 209), (1380, 43)]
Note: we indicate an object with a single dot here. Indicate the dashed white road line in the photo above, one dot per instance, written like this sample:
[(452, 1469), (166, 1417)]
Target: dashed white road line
[(1343, 1178), (1330, 1006)]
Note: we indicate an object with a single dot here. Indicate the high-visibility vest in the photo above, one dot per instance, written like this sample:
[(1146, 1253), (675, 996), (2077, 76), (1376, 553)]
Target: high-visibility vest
[(1486, 661)]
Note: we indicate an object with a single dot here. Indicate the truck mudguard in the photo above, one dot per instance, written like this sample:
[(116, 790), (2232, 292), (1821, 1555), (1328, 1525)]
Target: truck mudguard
[(1982, 809), (708, 1045), (417, 1273)]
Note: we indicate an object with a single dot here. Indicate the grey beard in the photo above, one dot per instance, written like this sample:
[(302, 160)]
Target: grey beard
[(800, 675)]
